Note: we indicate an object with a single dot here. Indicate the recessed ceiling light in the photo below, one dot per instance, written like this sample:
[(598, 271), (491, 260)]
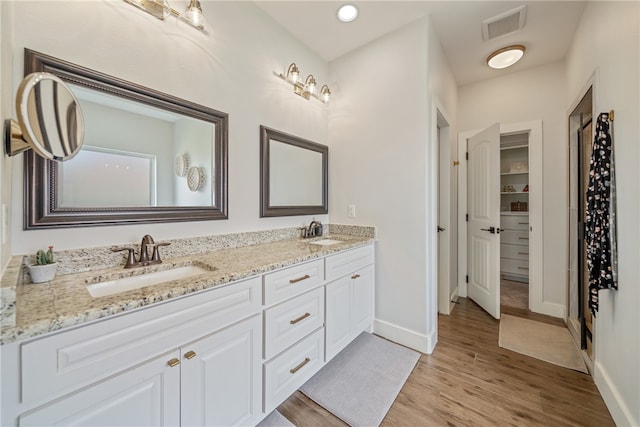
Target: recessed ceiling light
[(505, 57), (347, 13)]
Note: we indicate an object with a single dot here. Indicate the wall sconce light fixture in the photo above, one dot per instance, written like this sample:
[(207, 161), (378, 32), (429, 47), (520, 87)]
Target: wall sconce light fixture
[(161, 9), (306, 89)]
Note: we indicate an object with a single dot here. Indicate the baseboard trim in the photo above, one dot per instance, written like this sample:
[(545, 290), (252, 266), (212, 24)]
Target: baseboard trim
[(621, 414), (419, 342)]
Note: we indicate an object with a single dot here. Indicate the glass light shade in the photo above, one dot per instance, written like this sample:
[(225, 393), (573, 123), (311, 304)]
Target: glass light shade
[(505, 57), (347, 13), (310, 84), (193, 15), (326, 93)]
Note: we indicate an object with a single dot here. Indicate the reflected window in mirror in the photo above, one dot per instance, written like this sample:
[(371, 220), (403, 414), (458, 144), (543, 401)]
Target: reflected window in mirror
[(126, 172), (293, 175)]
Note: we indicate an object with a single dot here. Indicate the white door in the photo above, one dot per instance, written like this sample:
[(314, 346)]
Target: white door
[(362, 297), (222, 378), (483, 205), (338, 316)]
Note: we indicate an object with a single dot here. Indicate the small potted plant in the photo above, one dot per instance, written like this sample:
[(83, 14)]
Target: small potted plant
[(44, 270)]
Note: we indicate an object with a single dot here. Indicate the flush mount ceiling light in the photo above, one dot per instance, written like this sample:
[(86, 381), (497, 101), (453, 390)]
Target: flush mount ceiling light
[(306, 89), (347, 13), (505, 57), (161, 9)]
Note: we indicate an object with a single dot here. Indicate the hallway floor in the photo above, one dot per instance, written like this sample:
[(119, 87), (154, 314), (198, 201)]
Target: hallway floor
[(470, 381)]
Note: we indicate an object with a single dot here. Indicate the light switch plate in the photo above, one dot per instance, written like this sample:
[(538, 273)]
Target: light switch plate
[(352, 211)]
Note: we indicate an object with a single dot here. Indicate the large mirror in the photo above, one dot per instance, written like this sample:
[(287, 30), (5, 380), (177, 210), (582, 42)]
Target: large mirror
[(147, 157), (293, 175)]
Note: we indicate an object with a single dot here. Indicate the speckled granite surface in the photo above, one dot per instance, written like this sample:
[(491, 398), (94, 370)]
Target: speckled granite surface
[(29, 310)]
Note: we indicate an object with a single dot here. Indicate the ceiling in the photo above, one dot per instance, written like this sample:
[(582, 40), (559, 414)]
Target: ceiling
[(547, 33)]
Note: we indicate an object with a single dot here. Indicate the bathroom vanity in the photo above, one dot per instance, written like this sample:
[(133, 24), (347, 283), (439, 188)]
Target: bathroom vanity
[(224, 347)]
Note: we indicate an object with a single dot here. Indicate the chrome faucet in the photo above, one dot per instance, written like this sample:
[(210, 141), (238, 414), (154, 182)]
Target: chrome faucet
[(144, 253), (314, 229)]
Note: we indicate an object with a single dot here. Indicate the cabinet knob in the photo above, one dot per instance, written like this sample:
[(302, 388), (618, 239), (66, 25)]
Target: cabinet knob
[(190, 354), (173, 362), (355, 276)]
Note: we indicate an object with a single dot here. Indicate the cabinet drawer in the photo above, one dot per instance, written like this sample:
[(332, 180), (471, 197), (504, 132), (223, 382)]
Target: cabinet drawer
[(287, 372), (61, 363), (514, 222), (514, 252), (292, 281), (513, 266), (344, 263), (290, 321), (514, 237)]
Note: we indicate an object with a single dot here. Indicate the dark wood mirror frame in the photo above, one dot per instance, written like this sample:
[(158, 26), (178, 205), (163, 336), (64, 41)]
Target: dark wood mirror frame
[(41, 202), (266, 209)]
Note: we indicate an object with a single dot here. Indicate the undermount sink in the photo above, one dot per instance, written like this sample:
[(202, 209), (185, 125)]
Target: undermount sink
[(111, 287), (325, 242)]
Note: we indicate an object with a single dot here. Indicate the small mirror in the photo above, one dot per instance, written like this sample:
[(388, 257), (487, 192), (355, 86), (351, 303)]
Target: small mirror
[(293, 175), (50, 120)]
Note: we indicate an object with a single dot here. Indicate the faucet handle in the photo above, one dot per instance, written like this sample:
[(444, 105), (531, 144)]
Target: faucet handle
[(131, 260), (156, 252)]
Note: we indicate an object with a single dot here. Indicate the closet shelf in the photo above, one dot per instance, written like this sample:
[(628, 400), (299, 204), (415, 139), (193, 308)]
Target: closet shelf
[(514, 173), (514, 192)]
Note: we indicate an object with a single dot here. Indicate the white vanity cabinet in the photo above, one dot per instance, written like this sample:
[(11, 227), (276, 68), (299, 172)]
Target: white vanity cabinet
[(147, 395), (224, 356), (350, 298), (201, 353)]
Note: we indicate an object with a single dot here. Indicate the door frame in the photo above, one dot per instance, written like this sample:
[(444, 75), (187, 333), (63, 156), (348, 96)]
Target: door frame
[(591, 83), (536, 267), (446, 291)]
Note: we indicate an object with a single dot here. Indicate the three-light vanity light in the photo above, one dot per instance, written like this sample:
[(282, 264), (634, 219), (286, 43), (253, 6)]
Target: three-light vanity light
[(161, 9), (308, 88)]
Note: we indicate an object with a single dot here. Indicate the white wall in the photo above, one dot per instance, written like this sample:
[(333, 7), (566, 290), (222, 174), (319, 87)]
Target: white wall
[(6, 109), (195, 139), (381, 156), (533, 94), (607, 43), (230, 70)]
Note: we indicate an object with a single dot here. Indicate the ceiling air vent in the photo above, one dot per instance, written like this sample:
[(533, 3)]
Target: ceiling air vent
[(503, 24)]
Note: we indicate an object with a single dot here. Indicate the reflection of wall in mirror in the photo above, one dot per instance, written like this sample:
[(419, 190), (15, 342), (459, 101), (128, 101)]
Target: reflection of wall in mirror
[(126, 131), (195, 138), (295, 175)]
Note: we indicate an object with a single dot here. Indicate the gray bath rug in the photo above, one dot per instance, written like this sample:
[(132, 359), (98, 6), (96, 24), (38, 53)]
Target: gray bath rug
[(360, 384), (275, 419)]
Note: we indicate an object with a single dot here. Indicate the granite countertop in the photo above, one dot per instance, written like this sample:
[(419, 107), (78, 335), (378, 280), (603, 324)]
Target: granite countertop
[(65, 301)]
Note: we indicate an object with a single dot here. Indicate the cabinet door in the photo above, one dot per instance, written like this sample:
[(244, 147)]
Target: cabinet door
[(338, 316), (148, 395), (362, 289), (221, 377)]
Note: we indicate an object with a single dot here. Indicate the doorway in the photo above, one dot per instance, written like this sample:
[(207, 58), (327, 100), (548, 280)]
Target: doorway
[(447, 289), (580, 319), (468, 266)]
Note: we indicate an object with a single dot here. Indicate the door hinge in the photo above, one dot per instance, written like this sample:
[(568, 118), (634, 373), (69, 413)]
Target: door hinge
[(467, 279), (466, 217), (467, 155)]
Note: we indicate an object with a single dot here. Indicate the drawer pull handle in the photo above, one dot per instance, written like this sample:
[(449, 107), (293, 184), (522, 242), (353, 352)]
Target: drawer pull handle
[(173, 362), (523, 253), (190, 354), (523, 223), (523, 238), (297, 368), (304, 316), (299, 279), (523, 268), (355, 276)]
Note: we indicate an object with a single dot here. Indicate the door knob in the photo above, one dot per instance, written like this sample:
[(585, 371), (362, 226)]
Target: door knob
[(441, 229), (492, 230)]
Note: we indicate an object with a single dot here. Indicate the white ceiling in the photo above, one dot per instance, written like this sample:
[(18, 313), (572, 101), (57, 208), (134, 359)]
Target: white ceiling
[(547, 33)]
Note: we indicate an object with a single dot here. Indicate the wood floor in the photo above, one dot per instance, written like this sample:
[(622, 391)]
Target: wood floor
[(470, 381)]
